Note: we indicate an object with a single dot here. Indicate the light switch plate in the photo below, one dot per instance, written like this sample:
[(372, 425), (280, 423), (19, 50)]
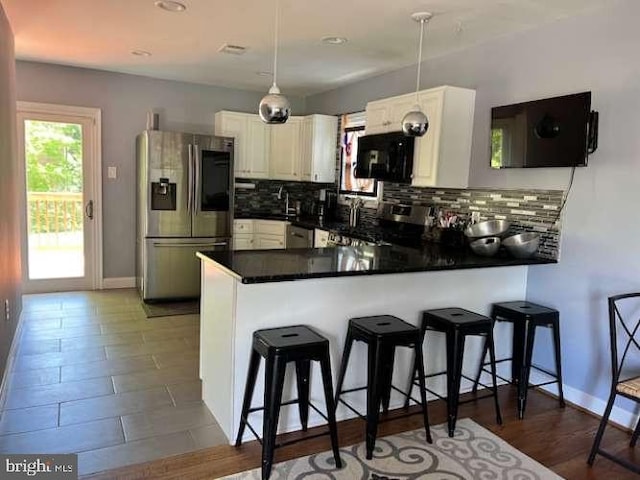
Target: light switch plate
[(112, 172)]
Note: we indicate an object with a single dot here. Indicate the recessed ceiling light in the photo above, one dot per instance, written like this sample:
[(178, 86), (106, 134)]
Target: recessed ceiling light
[(140, 53), (334, 40), (171, 6)]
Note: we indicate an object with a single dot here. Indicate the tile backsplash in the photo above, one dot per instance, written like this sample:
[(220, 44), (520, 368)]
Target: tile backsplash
[(264, 197), (527, 210)]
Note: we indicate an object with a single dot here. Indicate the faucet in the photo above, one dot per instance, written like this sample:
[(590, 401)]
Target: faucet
[(282, 190)]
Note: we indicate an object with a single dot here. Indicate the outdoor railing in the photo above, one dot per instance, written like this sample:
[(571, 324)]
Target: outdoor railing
[(55, 218)]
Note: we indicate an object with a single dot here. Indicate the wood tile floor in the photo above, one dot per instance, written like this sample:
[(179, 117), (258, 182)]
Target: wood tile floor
[(92, 375), (559, 438)]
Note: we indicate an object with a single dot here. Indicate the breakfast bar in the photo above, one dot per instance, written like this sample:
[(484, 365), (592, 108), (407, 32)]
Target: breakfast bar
[(243, 291)]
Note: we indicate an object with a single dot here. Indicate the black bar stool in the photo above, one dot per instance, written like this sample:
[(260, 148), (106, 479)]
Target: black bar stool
[(457, 324), (526, 317), (382, 334), (278, 346)]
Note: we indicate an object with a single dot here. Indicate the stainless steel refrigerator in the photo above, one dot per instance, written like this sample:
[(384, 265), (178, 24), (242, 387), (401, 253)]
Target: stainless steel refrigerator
[(184, 204)]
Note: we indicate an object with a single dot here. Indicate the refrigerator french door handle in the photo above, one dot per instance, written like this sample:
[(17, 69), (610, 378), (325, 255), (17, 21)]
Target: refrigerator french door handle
[(190, 181), (198, 245), (198, 186)]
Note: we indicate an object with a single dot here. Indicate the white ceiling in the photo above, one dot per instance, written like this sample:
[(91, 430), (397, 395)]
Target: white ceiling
[(382, 37)]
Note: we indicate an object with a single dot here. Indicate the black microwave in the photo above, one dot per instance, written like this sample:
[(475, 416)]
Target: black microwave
[(387, 157)]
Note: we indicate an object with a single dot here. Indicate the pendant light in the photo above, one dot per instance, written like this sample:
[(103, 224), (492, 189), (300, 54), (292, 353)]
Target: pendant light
[(415, 123), (274, 107)]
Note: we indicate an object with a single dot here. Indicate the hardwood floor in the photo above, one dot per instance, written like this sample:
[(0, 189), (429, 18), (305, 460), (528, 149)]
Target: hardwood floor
[(558, 438)]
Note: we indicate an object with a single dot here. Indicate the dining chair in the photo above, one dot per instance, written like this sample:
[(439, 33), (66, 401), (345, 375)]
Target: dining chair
[(624, 332)]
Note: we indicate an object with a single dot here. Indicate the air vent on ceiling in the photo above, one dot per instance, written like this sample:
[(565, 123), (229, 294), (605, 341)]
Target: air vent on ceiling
[(232, 49)]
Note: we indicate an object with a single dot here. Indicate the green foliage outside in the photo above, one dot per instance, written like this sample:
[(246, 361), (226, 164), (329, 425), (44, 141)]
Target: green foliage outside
[(496, 148), (53, 154)]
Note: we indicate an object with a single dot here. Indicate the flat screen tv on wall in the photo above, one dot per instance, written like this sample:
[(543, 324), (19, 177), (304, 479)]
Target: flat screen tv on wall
[(553, 132)]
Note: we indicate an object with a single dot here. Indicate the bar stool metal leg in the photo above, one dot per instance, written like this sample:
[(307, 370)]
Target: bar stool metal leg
[(302, 380), (343, 365), (455, 345), (386, 376), (331, 408), (373, 398), (518, 351), (556, 346), (274, 382), (523, 386), (492, 356), (419, 362), (485, 349), (252, 375)]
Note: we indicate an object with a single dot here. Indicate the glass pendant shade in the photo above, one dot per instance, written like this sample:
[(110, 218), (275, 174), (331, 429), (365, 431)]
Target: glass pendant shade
[(274, 107)]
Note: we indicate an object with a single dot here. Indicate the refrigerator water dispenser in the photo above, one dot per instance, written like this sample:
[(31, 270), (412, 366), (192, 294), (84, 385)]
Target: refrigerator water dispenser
[(163, 195)]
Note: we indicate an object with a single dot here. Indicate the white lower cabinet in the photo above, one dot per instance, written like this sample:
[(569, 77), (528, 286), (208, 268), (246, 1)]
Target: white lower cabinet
[(250, 234), (320, 238), (269, 242), (243, 241)]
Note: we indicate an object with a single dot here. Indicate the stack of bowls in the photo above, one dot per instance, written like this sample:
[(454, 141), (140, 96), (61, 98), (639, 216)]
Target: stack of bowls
[(484, 237)]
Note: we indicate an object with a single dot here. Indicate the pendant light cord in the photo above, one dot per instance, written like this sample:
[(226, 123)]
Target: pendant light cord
[(419, 59), (275, 49)]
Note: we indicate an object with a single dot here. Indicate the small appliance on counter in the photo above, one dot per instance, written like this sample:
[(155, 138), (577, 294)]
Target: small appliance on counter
[(328, 205)]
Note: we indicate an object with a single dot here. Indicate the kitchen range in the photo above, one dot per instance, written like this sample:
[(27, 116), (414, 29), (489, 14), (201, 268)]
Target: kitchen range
[(183, 206)]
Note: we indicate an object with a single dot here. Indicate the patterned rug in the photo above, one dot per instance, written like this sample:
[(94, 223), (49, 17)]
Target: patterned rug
[(167, 309), (473, 453)]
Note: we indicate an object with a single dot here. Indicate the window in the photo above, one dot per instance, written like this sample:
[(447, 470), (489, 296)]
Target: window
[(352, 128)]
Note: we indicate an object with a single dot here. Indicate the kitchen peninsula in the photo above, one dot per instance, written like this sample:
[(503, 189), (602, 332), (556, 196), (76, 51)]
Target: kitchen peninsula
[(243, 291)]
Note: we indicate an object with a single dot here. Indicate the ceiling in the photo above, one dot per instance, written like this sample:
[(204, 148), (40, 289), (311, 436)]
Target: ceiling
[(382, 37)]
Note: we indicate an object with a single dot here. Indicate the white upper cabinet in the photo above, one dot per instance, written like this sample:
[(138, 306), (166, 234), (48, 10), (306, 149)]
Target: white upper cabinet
[(284, 157), (318, 148), (252, 142), (303, 149), (442, 155)]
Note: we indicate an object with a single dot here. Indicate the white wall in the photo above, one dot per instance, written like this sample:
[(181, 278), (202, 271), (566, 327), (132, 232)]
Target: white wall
[(600, 253), (124, 100)]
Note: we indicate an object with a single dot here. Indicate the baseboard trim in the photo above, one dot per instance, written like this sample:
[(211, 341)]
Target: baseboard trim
[(6, 380), (118, 282), (619, 416)]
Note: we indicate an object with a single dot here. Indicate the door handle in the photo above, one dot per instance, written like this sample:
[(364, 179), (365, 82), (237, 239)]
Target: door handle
[(88, 210), (199, 245), (190, 180), (197, 188)]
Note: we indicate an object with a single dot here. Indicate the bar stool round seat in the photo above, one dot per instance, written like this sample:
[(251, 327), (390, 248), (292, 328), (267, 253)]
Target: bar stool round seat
[(457, 324), (279, 346), (382, 334), (526, 317)]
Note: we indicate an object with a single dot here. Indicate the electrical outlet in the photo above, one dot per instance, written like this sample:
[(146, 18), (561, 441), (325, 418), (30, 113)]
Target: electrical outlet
[(7, 312)]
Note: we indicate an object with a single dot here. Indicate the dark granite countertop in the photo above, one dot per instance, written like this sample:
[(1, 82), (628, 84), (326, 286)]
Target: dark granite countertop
[(262, 266)]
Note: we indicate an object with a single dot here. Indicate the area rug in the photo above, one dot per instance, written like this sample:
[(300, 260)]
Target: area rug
[(167, 309), (473, 453)]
